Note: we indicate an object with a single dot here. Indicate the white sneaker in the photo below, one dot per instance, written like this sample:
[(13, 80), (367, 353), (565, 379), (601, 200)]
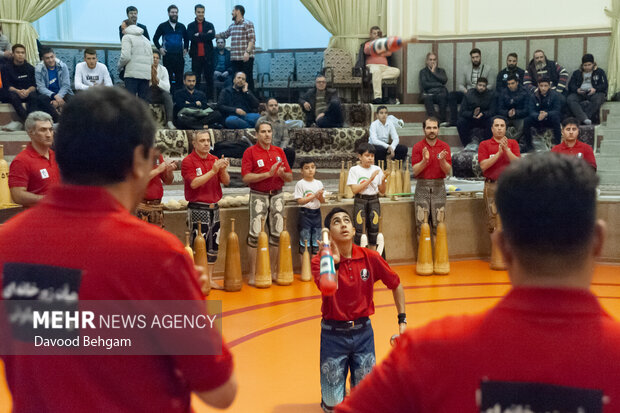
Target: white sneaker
[(170, 125), (13, 126)]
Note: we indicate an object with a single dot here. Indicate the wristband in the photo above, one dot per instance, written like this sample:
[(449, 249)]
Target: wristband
[(402, 318)]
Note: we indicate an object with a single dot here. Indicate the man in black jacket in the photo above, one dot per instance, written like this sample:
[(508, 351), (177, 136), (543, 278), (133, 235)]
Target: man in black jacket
[(433, 87), (477, 110), (174, 45), (321, 105), (513, 104), (545, 111), (587, 84), (199, 114), (132, 15), (200, 34), (238, 105), (511, 69)]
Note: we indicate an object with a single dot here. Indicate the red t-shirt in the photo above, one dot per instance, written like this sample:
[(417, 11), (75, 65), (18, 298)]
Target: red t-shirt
[(201, 46), (258, 160), (155, 189), (194, 166), (488, 149), (34, 172), (356, 278), (119, 257), (433, 169), (580, 150), (548, 336)]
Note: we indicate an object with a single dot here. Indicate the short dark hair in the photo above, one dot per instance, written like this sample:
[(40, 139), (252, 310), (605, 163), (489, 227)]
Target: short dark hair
[(272, 98), (559, 194), (172, 6), (474, 51), (155, 51), (305, 161), (240, 8), (512, 76), (498, 117), (432, 119), (17, 46), (90, 51), (513, 54), (130, 8), (98, 128), (198, 6), (570, 121), (482, 79), (544, 79), (381, 107), (188, 73), (262, 122), (45, 50), (330, 215), (366, 147)]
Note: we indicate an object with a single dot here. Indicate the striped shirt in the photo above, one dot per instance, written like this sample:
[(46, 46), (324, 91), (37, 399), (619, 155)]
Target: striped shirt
[(242, 33)]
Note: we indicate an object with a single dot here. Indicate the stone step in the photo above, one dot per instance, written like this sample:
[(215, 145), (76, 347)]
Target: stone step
[(608, 178), (610, 147), (7, 113), (13, 142)]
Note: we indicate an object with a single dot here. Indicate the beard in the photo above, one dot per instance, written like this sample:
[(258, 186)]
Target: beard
[(174, 19), (540, 65)]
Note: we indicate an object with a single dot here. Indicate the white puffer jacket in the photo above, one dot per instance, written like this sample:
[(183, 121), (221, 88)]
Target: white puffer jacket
[(136, 54)]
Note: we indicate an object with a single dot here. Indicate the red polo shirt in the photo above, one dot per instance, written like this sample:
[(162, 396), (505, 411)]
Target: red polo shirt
[(580, 150), (155, 189), (194, 166), (433, 169), (488, 149), (258, 160), (118, 257), (33, 171), (356, 278)]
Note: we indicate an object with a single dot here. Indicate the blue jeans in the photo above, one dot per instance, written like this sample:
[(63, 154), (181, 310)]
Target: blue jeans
[(242, 122), (342, 351), (139, 87), (309, 229)]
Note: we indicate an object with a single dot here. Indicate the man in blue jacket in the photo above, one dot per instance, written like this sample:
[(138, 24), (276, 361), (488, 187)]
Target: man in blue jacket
[(513, 104), (200, 34), (545, 111), (173, 47), (53, 80), (587, 84)]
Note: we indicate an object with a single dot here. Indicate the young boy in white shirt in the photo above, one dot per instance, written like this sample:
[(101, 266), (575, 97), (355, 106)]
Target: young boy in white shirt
[(309, 193), (366, 181)]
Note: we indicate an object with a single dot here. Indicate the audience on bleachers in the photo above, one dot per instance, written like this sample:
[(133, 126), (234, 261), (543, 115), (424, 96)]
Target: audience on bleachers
[(136, 60), (467, 79), (222, 67), (173, 46), (5, 47), (513, 104), (90, 72), (383, 136), (132, 15), (191, 109), (200, 34), (511, 69), (545, 111), (477, 111), (242, 44), (587, 87), (541, 67), (322, 105), (238, 104), (280, 128), (160, 89), (433, 89), (378, 65), (53, 79)]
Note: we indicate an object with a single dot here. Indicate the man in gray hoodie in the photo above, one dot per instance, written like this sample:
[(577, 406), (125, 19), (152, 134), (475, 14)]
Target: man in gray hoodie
[(137, 59), (467, 79), (53, 80)]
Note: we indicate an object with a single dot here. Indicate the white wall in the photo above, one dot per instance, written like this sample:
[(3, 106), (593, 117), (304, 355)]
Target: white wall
[(495, 18)]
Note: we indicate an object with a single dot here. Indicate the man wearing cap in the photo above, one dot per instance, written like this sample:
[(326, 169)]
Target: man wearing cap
[(587, 90)]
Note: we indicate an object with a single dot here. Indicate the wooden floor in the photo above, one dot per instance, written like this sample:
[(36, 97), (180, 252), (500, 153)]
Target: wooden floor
[(274, 333)]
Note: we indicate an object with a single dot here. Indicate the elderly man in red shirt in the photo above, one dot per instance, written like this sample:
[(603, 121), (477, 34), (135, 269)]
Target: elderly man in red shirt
[(204, 174), (432, 162), (347, 338), (571, 145), (265, 169), (34, 170)]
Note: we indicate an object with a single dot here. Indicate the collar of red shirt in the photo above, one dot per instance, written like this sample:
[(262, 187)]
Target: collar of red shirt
[(356, 253), (33, 152), (551, 301), (78, 198)]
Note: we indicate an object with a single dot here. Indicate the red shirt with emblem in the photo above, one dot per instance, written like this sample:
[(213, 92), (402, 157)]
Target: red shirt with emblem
[(194, 166), (155, 189), (118, 257), (488, 149), (258, 160), (433, 168), (33, 171), (580, 150), (356, 278)]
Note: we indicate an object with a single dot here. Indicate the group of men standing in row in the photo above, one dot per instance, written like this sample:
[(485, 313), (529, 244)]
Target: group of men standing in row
[(534, 97)]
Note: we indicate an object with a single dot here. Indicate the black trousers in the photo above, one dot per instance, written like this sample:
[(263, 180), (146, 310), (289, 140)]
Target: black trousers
[(441, 99), (175, 63), (34, 102), (203, 66), (245, 67), (399, 154)]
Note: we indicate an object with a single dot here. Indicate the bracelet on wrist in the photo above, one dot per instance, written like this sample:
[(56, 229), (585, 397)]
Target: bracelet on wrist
[(402, 318)]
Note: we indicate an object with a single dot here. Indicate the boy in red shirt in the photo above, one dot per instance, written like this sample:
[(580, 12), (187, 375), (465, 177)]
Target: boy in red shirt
[(347, 339), (571, 145), (150, 209), (204, 174), (432, 161)]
